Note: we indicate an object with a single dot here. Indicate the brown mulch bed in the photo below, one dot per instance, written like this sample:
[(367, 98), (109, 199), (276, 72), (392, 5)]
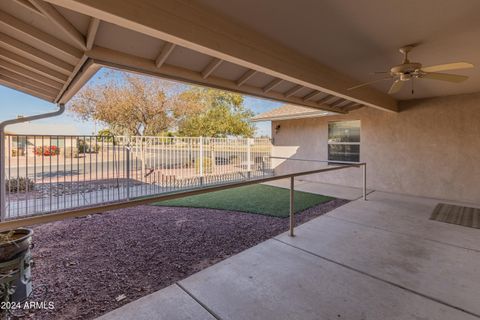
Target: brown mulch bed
[(86, 263)]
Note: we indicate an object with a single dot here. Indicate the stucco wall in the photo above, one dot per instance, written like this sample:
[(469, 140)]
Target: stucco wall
[(431, 148)]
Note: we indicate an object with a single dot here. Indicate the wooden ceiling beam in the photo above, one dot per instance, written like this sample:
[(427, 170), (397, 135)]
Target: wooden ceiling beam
[(312, 95), (21, 86), (196, 27), (34, 54), (245, 77), (214, 64), (293, 91), (17, 86), (63, 24), (164, 53), (84, 71), (124, 61), (92, 32), (272, 85), (345, 107), (326, 99), (338, 102), (30, 74), (355, 107), (28, 5), (31, 82), (33, 66), (36, 34), (351, 106)]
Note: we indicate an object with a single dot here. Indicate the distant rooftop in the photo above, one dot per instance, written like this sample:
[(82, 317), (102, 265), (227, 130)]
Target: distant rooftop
[(288, 112), (31, 128)]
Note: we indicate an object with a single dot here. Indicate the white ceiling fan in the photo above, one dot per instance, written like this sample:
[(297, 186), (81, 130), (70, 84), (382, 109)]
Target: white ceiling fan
[(408, 71)]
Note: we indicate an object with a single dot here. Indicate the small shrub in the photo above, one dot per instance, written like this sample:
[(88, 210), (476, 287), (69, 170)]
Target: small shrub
[(47, 151), (18, 152), (207, 165), (87, 146), (19, 184), (106, 135)]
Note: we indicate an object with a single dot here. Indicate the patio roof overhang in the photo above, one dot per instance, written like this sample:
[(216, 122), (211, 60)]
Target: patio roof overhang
[(50, 52)]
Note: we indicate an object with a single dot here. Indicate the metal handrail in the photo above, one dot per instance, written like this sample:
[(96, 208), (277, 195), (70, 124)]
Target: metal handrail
[(356, 164), (173, 195), (168, 196), (322, 161)]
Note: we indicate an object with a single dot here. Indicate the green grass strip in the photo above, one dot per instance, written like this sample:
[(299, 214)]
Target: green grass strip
[(259, 199)]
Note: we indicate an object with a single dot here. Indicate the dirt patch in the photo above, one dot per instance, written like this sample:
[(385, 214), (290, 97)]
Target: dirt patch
[(86, 263)]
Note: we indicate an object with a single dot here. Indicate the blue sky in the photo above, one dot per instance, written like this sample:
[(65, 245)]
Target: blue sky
[(15, 103)]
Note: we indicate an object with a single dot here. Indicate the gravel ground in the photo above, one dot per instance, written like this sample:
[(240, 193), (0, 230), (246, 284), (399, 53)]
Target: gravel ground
[(87, 263)]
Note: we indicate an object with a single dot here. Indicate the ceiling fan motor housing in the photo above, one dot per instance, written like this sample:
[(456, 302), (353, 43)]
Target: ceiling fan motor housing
[(406, 71)]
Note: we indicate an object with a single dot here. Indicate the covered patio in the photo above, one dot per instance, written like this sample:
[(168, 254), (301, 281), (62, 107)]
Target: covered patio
[(376, 259), (383, 258)]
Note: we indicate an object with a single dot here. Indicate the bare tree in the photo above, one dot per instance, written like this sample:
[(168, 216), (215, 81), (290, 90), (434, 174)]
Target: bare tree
[(128, 104)]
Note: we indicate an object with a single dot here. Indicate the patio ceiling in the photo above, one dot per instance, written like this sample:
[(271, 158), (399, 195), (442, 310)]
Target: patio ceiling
[(51, 48), (50, 52), (363, 36)]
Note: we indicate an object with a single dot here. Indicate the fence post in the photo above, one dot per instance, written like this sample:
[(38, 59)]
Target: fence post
[(128, 172), (249, 155), (3, 193), (263, 164), (142, 156), (201, 160)]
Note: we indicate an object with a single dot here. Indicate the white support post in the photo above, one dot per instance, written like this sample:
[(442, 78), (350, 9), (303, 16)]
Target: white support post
[(127, 149), (292, 206), (201, 160), (3, 193), (142, 157), (249, 155)]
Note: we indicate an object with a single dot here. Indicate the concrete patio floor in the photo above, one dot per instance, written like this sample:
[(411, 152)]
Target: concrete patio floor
[(376, 259)]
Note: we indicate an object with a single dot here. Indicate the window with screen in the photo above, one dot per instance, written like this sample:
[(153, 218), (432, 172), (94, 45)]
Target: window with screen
[(344, 141)]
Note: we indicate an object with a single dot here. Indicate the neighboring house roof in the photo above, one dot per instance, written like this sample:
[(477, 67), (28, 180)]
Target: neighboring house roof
[(288, 112), (31, 128)]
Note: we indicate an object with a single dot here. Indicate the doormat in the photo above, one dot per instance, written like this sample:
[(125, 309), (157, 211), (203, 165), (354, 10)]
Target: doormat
[(464, 216)]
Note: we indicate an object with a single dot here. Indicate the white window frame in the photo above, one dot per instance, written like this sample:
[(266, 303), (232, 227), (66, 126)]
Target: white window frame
[(343, 143)]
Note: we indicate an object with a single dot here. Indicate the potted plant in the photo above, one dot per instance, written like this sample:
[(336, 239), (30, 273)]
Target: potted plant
[(13, 242), (15, 261)]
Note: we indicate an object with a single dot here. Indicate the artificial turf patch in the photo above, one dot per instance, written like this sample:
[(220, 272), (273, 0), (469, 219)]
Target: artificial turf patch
[(260, 199)]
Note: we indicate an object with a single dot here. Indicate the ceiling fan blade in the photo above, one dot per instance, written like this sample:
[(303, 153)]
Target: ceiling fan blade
[(367, 83), (396, 86), (445, 77), (448, 66)]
